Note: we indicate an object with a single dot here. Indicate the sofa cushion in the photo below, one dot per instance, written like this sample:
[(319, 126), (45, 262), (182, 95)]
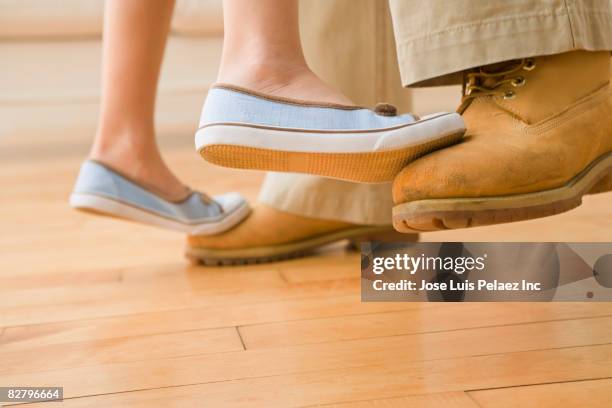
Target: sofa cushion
[(83, 18), (198, 17), (44, 18)]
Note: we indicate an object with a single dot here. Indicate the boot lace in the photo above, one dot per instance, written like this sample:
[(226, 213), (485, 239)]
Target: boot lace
[(484, 81)]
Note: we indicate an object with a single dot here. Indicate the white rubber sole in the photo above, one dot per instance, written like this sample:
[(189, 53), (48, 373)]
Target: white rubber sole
[(426, 130), (357, 156), (109, 207)]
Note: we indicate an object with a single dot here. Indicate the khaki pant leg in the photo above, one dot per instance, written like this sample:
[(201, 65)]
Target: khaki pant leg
[(349, 43), (436, 39)]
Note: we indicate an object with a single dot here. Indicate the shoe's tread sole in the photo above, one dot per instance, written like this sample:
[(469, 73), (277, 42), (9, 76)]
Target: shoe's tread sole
[(442, 214), (374, 167), (275, 253)]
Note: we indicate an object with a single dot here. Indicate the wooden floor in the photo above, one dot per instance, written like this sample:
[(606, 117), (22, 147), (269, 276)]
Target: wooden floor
[(113, 313)]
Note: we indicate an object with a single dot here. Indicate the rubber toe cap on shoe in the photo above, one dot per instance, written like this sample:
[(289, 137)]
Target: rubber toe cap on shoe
[(230, 202)]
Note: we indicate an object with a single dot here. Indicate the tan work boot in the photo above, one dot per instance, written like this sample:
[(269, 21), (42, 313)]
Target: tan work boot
[(539, 137), (269, 235)]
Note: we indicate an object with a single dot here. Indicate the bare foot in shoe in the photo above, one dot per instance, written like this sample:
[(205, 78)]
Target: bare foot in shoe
[(291, 82), (142, 164), (354, 144)]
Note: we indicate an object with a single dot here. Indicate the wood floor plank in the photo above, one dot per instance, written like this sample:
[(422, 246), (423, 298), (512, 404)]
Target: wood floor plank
[(384, 380), (581, 394), (76, 280), (177, 278), (192, 290), (122, 306), (445, 317), (173, 274), (496, 341), (112, 312), (445, 400), (310, 270), (119, 349), (22, 338)]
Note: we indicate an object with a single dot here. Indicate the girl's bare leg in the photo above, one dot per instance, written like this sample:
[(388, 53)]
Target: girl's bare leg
[(135, 34), (262, 51)]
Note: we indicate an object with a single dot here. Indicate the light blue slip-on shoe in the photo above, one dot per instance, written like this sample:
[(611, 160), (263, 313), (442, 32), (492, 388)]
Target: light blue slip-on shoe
[(102, 190), (244, 129)]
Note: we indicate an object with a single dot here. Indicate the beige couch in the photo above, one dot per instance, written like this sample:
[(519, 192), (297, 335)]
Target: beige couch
[(50, 64), (50, 61)]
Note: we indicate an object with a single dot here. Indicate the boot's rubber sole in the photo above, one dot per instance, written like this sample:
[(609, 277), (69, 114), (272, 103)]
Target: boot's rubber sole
[(367, 157), (273, 253), (452, 213)]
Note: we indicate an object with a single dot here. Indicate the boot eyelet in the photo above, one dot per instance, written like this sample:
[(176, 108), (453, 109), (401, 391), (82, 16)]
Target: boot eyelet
[(509, 95), (529, 64), (518, 81)]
